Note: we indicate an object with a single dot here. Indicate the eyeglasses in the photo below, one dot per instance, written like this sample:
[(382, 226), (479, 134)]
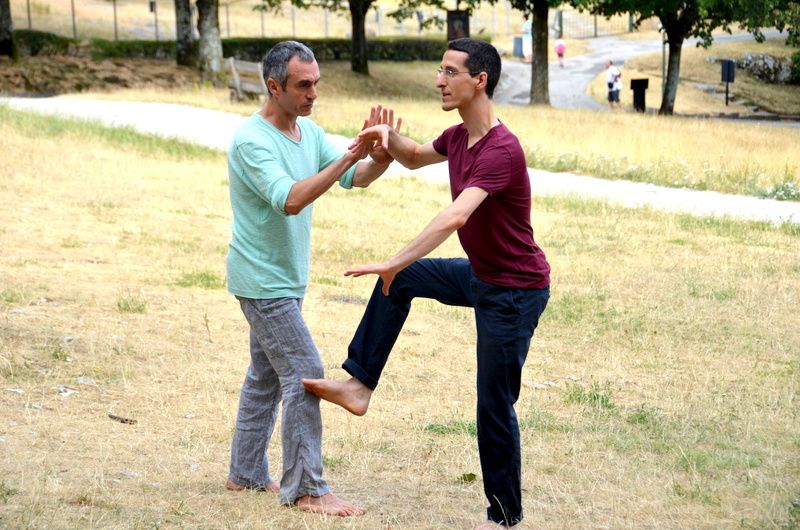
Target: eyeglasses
[(451, 74)]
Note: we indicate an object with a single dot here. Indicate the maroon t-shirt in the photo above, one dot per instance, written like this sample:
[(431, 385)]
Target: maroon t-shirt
[(497, 237)]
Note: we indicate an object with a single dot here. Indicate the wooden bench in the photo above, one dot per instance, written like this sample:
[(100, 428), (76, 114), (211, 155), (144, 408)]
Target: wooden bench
[(245, 79)]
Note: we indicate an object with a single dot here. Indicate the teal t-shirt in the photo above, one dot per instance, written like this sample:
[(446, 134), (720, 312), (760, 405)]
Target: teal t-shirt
[(269, 252)]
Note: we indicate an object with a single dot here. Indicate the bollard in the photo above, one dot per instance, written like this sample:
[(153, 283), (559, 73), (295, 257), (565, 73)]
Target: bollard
[(517, 47), (639, 86)]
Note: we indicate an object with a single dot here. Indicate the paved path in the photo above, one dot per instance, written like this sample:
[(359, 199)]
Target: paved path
[(214, 129), (568, 85)]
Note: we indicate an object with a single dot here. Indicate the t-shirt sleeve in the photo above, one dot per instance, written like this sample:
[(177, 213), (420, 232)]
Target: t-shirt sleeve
[(440, 144), (265, 175)]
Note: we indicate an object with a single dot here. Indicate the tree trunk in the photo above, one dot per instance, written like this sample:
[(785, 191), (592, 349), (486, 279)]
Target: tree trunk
[(183, 31), (210, 50), (358, 13), (8, 45), (673, 75), (540, 83), (677, 26)]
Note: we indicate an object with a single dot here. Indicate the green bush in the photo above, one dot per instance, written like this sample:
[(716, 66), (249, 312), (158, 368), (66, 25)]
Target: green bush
[(248, 49), (795, 79), (253, 49), (100, 49), (383, 49), (32, 42)]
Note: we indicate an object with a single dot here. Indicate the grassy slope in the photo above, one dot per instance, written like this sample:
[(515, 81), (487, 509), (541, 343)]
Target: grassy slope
[(695, 68), (682, 331), (697, 154)]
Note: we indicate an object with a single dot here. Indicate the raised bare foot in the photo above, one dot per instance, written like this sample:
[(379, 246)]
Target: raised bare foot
[(272, 486), (352, 395), (491, 525), (328, 504)]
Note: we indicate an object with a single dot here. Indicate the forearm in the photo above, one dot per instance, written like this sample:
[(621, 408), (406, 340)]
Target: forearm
[(445, 223), (436, 233), (306, 191), (368, 172), (404, 150)]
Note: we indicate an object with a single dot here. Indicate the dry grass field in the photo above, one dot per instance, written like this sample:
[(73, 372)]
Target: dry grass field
[(661, 389), (669, 151)]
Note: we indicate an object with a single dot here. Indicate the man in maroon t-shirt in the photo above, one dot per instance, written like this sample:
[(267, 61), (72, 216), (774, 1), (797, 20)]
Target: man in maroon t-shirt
[(505, 277)]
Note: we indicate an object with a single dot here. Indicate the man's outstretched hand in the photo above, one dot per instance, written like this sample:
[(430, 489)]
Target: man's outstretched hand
[(379, 118), (383, 270)]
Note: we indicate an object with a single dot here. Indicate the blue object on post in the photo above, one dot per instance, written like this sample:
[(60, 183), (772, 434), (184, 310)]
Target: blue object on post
[(728, 74), (517, 47)]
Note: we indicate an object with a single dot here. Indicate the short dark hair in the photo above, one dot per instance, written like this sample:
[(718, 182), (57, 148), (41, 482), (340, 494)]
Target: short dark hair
[(481, 57), (275, 63)]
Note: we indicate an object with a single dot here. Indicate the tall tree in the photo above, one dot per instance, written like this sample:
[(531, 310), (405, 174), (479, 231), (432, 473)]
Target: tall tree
[(210, 50), (539, 9), (8, 44), (681, 19), (183, 34), (358, 15), (540, 74), (781, 14), (359, 60)]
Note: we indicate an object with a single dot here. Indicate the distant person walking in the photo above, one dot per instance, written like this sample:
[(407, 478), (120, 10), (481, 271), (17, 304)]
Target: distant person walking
[(614, 84), (527, 39), (561, 47)]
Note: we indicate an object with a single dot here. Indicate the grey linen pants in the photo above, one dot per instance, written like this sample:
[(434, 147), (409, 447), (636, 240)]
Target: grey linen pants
[(282, 353)]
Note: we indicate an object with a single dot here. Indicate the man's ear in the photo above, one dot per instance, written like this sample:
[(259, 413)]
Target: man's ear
[(483, 79), (272, 86)]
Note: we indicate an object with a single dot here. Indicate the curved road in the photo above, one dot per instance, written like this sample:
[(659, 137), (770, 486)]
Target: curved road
[(568, 85)]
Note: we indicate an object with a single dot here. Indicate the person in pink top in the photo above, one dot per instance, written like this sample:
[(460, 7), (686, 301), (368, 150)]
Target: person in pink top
[(505, 277), (561, 47)]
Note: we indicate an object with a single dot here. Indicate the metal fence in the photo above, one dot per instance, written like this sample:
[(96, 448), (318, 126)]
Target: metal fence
[(577, 25), (155, 20)]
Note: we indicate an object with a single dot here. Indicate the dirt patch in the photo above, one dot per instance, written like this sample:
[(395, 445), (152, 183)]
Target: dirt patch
[(64, 74)]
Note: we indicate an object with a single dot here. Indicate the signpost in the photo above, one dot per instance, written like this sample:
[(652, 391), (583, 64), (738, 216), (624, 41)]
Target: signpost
[(154, 10), (728, 74), (74, 27), (457, 24), (663, 61)]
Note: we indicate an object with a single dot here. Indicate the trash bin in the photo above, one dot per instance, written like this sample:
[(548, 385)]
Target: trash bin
[(517, 47), (639, 86)]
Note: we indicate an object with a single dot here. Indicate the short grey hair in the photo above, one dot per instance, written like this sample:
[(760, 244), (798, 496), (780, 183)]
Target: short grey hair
[(275, 63)]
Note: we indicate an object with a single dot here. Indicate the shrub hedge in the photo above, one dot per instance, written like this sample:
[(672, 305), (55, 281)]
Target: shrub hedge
[(253, 49), (100, 49), (383, 49), (795, 79), (32, 42)]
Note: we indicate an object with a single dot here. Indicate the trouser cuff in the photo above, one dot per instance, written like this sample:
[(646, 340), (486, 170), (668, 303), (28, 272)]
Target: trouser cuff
[(352, 368)]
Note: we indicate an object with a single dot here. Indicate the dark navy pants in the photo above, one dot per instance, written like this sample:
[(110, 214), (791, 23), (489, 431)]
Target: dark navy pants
[(505, 319)]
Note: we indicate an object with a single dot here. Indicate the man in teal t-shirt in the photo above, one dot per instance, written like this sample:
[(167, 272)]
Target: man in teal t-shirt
[(279, 162)]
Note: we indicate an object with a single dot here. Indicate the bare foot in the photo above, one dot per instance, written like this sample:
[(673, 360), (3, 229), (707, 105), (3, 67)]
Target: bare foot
[(273, 486), (491, 525), (328, 504), (352, 395)]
